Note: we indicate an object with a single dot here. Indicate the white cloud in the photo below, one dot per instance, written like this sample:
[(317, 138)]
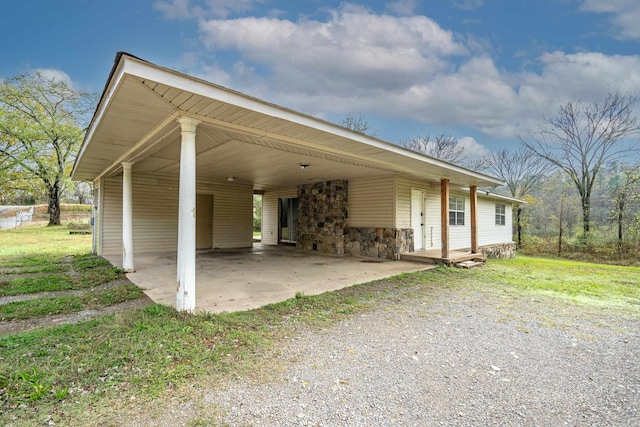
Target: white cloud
[(468, 4), (354, 50), (184, 9), (54, 74), (473, 150), (625, 15), (403, 7), (174, 9), (401, 67)]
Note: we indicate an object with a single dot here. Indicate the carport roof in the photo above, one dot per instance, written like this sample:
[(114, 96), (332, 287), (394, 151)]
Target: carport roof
[(254, 141)]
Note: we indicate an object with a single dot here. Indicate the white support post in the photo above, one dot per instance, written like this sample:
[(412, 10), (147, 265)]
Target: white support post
[(186, 294), (127, 219)]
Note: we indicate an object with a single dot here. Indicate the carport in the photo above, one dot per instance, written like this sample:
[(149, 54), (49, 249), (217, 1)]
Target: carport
[(166, 150), (243, 279)]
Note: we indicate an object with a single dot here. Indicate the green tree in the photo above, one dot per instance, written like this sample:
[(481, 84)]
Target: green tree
[(583, 137), (625, 193), (41, 131)]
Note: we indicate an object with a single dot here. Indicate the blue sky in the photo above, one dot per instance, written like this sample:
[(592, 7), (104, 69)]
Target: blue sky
[(481, 70)]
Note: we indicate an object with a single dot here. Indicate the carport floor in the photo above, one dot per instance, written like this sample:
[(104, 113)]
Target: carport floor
[(235, 280)]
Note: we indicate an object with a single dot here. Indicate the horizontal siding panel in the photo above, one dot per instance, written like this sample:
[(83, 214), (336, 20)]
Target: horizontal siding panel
[(155, 214), (488, 232), (371, 202)]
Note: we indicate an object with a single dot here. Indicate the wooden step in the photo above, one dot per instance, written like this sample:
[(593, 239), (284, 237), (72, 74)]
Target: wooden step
[(469, 264)]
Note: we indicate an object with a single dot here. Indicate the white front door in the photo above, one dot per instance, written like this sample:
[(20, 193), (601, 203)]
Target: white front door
[(417, 218)]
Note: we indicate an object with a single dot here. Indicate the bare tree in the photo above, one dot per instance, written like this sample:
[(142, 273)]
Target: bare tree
[(357, 123), (585, 136), (444, 147), (522, 171)]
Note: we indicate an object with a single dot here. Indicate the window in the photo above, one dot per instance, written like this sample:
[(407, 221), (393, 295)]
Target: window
[(500, 214), (456, 211)]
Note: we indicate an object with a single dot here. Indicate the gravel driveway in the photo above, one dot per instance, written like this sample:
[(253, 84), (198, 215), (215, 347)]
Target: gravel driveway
[(459, 359)]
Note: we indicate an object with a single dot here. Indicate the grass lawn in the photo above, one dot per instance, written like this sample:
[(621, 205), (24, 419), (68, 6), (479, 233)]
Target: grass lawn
[(82, 374)]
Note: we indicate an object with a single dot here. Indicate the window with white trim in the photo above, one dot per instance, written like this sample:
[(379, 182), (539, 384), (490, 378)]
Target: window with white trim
[(456, 210), (500, 214)]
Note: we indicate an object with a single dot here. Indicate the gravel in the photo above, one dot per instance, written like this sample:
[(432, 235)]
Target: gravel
[(461, 358)]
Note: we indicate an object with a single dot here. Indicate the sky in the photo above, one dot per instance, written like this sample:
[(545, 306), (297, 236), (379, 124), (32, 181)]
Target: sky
[(483, 71)]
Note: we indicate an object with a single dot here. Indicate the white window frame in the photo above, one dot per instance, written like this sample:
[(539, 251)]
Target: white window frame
[(456, 211), (501, 214)]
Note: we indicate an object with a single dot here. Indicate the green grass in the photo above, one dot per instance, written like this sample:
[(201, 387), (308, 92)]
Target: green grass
[(69, 304), (48, 242), (580, 282), (79, 272)]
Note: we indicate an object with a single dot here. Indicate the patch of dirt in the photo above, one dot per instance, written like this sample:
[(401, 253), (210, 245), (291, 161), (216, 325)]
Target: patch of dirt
[(57, 294), (17, 326)]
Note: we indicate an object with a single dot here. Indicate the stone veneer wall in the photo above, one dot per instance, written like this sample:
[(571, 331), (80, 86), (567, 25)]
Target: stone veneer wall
[(499, 250), (322, 216), (386, 243)]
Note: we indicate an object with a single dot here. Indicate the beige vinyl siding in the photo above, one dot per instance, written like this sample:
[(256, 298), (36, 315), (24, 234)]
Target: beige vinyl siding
[(112, 216), (270, 213), (97, 215), (155, 214), (232, 214), (488, 232), (371, 202)]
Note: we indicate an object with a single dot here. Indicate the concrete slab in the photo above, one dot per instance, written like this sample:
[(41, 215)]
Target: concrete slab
[(245, 279)]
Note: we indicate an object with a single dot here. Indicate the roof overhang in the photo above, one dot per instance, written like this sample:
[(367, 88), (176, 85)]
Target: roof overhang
[(239, 136)]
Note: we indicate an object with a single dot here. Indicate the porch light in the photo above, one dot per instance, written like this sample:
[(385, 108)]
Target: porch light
[(231, 178), (303, 166)]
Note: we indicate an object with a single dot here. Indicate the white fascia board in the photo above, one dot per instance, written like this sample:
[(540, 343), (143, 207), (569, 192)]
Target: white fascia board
[(490, 195), (114, 83), (146, 70)]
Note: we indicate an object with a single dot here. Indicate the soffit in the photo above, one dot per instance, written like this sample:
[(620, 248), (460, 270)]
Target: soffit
[(238, 136)]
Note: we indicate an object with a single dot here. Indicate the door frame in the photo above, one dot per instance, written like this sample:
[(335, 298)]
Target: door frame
[(419, 239), (292, 217), (199, 219)]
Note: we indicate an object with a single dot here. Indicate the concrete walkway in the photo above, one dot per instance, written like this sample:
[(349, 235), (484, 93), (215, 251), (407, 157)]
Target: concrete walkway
[(245, 279)]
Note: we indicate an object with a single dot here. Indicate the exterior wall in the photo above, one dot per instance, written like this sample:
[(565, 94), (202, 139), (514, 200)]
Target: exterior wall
[(460, 235), (155, 214), (232, 214), (384, 243), (488, 232), (97, 216), (112, 218), (270, 213), (432, 209), (371, 202), (322, 216)]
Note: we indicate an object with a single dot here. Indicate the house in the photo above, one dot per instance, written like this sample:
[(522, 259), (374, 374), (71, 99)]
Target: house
[(176, 160)]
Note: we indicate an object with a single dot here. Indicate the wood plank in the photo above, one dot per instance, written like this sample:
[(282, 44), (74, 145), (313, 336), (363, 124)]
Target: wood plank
[(473, 195)]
